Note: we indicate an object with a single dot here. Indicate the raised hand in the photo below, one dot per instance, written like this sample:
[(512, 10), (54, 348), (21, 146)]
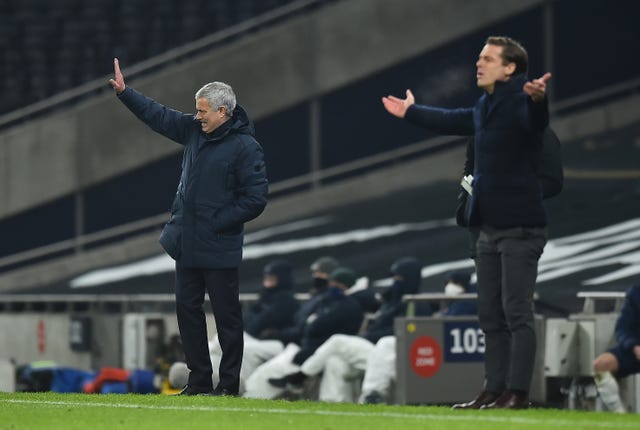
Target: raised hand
[(118, 83), (537, 88), (398, 107)]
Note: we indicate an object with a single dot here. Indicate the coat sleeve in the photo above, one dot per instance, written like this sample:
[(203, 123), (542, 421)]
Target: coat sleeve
[(538, 114), (442, 121), (251, 192), (161, 119), (272, 316), (628, 323)]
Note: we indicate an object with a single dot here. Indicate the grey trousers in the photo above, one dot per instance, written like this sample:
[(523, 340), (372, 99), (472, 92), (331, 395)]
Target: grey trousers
[(507, 267)]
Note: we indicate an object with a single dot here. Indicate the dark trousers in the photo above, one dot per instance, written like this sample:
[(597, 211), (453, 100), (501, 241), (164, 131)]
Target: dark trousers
[(507, 267), (222, 286)]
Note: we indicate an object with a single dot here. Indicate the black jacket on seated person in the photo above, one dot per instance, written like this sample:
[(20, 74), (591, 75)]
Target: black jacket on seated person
[(392, 305), (276, 307), (335, 313)]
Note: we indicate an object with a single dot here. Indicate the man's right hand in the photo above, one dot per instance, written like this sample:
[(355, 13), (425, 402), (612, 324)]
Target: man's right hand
[(118, 83), (398, 107)]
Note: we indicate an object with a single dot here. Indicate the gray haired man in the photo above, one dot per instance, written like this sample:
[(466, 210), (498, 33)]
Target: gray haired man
[(223, 184)]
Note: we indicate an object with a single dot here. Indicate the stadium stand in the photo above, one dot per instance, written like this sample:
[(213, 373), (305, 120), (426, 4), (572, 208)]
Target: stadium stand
[(48, 47)]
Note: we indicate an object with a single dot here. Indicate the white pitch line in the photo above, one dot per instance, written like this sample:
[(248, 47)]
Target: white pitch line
[(457, 417)]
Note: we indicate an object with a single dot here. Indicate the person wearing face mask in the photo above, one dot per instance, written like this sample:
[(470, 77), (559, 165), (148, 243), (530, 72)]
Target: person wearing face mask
[(381, 365), (459, 283), (343, 358), (320, 272), (335, 312)]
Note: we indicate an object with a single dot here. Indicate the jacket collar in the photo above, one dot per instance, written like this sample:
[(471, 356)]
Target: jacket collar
[(513, 85), (238, 123), (502, 89)]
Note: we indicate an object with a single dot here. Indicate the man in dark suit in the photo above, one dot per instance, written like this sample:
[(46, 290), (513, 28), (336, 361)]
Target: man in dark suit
[(223, 184), (507, 123)]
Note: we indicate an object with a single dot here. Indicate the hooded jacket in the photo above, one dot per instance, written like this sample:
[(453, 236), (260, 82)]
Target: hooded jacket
[(223, 183), (392, 305), (507, 127), (276, 307)]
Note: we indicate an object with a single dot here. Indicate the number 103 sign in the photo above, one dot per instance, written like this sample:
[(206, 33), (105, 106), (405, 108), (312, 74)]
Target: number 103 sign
[(463, 341)]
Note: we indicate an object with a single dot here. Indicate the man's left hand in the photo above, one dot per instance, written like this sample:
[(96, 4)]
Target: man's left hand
[(537, 88), (636, 351)]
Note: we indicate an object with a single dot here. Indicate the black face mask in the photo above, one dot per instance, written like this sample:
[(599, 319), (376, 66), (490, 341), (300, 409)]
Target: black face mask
[(320, 283)]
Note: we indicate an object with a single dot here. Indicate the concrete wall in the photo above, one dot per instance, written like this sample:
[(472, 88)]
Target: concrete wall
[(47, 158), (19, 340)]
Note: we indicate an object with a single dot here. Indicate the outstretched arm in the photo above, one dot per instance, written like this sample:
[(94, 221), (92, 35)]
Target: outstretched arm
[(442, 121), (396, 106), (168, 122)]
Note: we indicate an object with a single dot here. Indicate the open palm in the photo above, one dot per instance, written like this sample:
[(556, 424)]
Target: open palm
[(118, 82)]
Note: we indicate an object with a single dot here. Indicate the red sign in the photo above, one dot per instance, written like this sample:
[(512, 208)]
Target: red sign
[(42, 337), (425, 356)]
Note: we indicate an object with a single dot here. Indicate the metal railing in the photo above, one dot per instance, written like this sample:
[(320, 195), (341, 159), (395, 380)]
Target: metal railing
[(592, 297), (156, 221)]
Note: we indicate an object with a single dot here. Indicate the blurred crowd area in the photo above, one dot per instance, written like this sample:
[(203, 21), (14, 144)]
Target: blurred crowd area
[(47, 47)]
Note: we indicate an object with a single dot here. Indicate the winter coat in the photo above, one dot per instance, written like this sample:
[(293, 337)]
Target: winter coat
[(275, 308), (223, 184), (507, 127)]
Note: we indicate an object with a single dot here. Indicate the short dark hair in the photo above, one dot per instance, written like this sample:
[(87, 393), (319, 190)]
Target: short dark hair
[(512, 52)]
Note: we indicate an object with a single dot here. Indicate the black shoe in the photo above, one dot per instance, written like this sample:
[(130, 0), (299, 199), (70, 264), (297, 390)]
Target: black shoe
[(374, 398), (192, 390), (294, 382), (484, 398), (223, 392), (510, 400)]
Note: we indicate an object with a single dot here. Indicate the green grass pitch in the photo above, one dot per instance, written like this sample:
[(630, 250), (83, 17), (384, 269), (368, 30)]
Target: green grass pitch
[(139, 412)]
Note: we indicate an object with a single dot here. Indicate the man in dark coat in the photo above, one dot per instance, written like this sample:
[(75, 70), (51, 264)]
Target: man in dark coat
[(507, 124), (223, 185)]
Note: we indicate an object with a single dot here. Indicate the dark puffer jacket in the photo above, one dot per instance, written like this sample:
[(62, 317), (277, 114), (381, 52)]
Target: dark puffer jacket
[(276, 307), (222, 186)]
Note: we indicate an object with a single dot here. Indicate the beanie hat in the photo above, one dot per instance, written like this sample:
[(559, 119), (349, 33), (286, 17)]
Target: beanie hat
[(283, 271), (411, 271), (324, 265), (279, 268), (344, 276)]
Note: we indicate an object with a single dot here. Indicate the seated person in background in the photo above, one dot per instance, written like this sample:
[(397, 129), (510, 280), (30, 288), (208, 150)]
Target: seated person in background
[(380, 370), (623, 359), (459, 283), (276, 305), (343, 358), (321, 270), (334, 313), (274, 311)]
